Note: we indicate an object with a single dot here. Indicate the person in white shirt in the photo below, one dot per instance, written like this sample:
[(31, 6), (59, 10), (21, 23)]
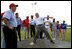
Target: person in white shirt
[(32, 26), (40, 27), (54, 24), (47, 23)]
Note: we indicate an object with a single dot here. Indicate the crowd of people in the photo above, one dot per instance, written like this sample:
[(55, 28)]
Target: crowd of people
[(39, 27)]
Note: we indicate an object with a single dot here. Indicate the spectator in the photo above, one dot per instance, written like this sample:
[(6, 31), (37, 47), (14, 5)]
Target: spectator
[(32, 26), (53, 29), (26, 27), (63, 27), (58, 30), (19, 23), (9, 28)]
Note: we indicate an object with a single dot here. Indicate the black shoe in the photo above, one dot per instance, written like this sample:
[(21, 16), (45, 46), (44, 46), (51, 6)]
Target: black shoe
[(52, 41)]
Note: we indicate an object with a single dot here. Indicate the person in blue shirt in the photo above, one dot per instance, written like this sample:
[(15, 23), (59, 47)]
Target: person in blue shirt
[(9, 28), (58, 30), (63, 30), (19, 23)]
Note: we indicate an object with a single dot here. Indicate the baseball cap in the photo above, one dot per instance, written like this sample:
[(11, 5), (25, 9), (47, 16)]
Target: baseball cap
[(12, 4)]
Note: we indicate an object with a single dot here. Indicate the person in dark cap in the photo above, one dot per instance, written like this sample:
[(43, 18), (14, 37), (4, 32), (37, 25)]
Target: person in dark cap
[(10, 25), (32, 26)]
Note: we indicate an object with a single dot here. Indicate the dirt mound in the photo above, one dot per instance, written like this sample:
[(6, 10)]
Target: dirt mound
[(43, 43)]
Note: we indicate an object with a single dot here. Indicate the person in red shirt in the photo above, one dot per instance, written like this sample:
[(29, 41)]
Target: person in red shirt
[(2, 18), (26, 27), (3, 44)]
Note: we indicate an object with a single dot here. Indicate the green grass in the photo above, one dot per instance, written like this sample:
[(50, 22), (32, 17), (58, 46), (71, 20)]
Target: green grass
[(67, 35)]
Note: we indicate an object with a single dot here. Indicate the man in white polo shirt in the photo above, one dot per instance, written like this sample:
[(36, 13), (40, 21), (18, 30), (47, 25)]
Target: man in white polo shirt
[(40, 27)]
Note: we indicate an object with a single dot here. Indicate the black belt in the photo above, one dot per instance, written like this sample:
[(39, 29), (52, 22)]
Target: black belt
[(8, 27), (47, 25), (40, 24)]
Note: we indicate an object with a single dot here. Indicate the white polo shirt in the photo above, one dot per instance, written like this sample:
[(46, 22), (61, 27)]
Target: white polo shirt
[(39, 21), (32, 21)]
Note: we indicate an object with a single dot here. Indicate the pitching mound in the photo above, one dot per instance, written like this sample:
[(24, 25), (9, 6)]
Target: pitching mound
[(43, 43)]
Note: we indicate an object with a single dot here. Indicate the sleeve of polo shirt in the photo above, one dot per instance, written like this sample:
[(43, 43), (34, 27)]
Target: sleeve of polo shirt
[(7, 15)]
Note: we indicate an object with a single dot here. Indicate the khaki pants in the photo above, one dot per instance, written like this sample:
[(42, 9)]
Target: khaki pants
[(47, 31), (26, 29), (57, 33), (39, 29), (53, 32), (63, 33)]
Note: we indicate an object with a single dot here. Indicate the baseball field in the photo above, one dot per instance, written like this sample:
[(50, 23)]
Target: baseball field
[(67, 34)]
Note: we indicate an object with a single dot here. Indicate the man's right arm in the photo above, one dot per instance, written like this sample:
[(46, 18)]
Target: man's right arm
[(7, 23), (51, 17)]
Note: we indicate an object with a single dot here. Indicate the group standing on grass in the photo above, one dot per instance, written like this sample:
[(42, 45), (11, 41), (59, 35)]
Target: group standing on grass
[(39, 26)]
